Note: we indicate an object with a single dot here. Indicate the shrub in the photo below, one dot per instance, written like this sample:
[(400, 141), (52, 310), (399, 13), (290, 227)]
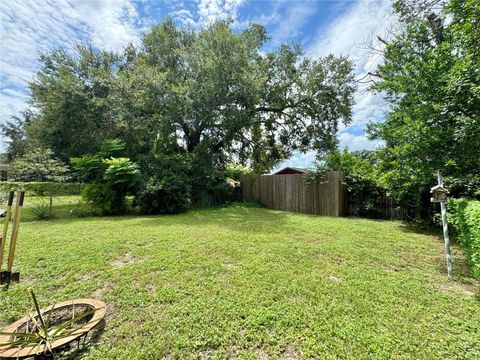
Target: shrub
[(42, 210), (40, 165), (234, 171), (361, 179), (43, 188), (108, 192), (109, 180), (166, 186), (102, 198), (464, 215)]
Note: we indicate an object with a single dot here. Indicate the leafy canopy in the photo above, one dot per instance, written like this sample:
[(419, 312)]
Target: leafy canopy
[(214, 94), (431, 77)]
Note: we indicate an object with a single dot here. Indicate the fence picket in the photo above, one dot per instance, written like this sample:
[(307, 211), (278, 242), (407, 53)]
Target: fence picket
[(290, 192)]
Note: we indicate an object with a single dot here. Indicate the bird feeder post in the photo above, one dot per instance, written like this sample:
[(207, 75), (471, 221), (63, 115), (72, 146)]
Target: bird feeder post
[(440, 195)]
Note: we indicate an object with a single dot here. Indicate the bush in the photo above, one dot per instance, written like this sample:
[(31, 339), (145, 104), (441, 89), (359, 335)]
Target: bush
[(102, 198), (113, 182), (166, 187), (42, 210), (109, 180), (43, 188), (234, 171), (40, 165), (464, 215), (361, 180)]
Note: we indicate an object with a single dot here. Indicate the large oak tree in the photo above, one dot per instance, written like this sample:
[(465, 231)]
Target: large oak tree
[(216, 94)]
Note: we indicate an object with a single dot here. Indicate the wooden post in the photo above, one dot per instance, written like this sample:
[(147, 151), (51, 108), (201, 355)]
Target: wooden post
[(3, 239), (445, 228), (16, 224)]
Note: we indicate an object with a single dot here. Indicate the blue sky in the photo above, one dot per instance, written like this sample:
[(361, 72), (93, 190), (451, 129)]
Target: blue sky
[(28, 27)]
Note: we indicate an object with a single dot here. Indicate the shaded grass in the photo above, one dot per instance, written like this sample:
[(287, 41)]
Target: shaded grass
[(63, 207), (244, 282)]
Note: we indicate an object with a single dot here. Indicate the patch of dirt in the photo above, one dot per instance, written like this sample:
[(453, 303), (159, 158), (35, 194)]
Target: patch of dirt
[(123, 260), (262, 355), (231, 353), (291, 354), (205, 354), (230, 266), (100, 292), (466, 290), (110, 311), (87, 276), (335, 279), (151, 289), (60, 316)]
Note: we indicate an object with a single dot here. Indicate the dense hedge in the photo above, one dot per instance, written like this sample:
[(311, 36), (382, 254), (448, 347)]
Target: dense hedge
[(464, 215), (43, 188)]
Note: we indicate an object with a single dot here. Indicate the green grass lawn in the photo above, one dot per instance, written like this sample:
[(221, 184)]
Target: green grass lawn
[(63, 207), (251, 283)]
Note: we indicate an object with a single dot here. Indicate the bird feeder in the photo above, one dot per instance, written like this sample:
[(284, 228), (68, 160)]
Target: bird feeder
[(439, 193)]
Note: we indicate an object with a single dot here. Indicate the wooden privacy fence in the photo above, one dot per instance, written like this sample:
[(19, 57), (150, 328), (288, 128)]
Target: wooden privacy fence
[(291, 193)]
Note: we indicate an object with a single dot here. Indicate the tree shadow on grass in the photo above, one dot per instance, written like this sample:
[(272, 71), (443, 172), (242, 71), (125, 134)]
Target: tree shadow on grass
[(232, 217), (462, 272), (421, 228), (248, 218)]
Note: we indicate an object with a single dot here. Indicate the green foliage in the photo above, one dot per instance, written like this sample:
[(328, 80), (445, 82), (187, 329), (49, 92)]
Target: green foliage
[(109, 180), (73, 91), (213, 93), (42, 210), (15, 133), (112, 148), (40, 165), (62, 207), (361, 178), (89, 168), (101, 197), (430, 76), (166, 187), (234, 171), (464, 215), (43, 188)]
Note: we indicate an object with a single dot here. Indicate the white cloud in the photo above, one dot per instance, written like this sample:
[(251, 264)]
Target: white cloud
[(357, 142), (184, 17), (290, 25), (301, 160), (109, 23), (210, 11), (12, 101), (349, 35), (30, 27)]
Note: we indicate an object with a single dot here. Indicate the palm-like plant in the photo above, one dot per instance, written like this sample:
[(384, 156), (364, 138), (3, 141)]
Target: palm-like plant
[(41, 333)]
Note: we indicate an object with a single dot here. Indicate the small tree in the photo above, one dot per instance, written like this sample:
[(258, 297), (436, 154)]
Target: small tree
[(109, 180), (40, 165)]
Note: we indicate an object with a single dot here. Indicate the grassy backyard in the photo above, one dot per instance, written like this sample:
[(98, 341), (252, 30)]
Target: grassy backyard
[(246, 282)]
